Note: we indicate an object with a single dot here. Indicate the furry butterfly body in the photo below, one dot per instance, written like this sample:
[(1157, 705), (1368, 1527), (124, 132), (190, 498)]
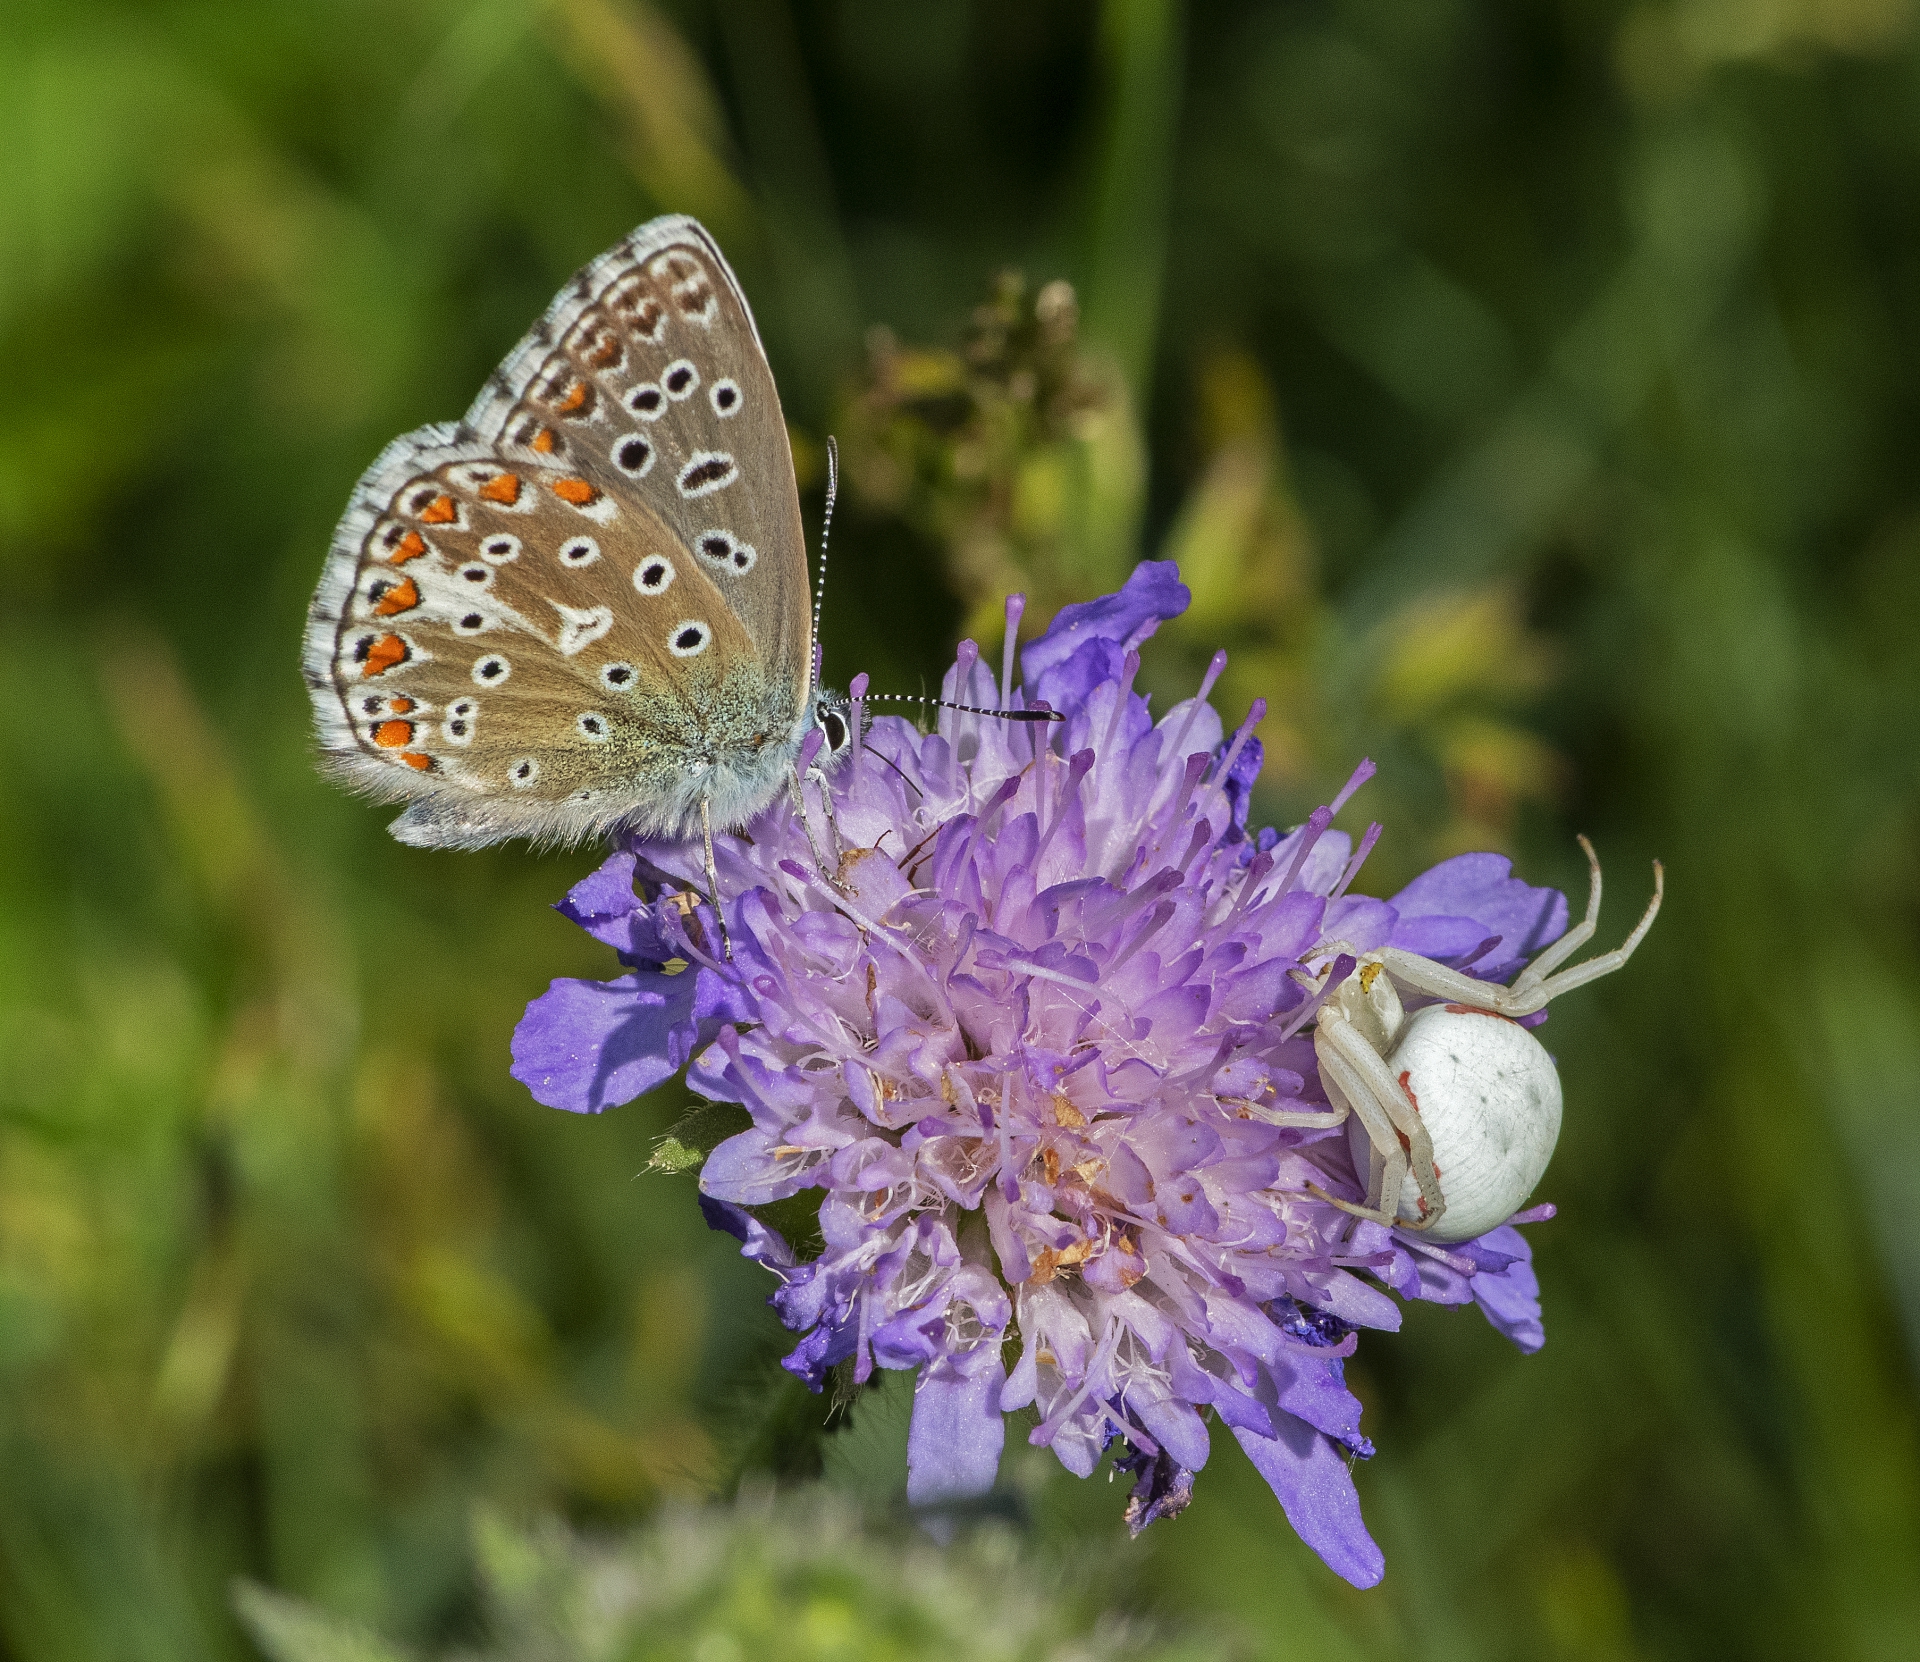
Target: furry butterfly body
[(583, 608)]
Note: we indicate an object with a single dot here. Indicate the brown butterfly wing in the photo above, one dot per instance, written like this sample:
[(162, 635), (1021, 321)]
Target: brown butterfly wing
[(553, 618)]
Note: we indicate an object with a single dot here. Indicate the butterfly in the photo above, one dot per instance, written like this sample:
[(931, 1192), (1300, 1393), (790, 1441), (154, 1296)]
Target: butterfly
[(582, 609)]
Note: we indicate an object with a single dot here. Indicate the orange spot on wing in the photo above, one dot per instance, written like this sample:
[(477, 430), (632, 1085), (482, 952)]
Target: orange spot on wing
[(391, 735), (575, 491), (400, 705), (402, 597), (411, 547), (414, 759), (576, 396), (387, 651), (440, 511), (503, 489), (542, 441)]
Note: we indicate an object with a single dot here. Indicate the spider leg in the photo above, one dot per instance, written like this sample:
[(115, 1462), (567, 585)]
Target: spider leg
[(1423, 975), (1607, 962), (1380, 1139), (1574, 938), (1391, 1117), (1304, 1117)]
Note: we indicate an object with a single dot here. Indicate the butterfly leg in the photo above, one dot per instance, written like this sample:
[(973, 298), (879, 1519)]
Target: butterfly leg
[(819, 778), (713, 877), (806, 824)]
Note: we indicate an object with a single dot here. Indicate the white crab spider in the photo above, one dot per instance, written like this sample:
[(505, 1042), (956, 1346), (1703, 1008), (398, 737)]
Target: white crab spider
[(1453, 1110)]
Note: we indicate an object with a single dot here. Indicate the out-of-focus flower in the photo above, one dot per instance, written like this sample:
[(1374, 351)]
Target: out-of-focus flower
[(798, 1578), (1029, 1047)]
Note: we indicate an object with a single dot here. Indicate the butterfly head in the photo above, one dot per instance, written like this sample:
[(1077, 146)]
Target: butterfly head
[(834, 717)]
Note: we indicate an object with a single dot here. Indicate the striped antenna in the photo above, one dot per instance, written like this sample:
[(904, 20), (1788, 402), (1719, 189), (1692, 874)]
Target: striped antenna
[(826, 530), (1040, 712)]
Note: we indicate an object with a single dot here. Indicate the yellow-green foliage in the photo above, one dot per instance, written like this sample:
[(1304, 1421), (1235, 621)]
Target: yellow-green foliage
[(793, 1579)]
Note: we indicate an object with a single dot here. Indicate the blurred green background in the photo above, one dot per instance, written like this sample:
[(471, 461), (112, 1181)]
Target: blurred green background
[(1530, 395)]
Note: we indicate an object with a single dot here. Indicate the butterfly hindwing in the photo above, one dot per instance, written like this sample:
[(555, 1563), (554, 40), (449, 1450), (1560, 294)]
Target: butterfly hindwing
[(584, 606)]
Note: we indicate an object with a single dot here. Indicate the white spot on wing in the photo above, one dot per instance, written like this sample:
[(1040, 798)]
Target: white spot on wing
[(689, 638), (653, 575), (581, 626), (633, 455), (706, 472)]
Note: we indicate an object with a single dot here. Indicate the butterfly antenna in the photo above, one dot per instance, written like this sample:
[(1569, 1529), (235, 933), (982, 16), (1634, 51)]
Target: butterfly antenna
[(1040, 712), (826, 530)]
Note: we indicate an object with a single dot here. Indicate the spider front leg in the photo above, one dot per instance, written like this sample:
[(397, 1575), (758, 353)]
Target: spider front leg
[(1532, 989), (1354, 1072), (1531, 975)]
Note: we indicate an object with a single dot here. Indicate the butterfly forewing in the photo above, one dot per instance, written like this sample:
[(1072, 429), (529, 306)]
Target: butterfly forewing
[(585, 606)]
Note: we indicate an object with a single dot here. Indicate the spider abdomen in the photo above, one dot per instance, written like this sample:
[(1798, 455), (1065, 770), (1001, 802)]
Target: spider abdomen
[(1489, 1096)]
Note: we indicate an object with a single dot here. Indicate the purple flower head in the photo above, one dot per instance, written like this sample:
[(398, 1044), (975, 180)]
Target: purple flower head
[(1030, 1048)]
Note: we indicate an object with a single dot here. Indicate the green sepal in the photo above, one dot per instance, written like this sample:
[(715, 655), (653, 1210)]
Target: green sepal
[(696, 1134)]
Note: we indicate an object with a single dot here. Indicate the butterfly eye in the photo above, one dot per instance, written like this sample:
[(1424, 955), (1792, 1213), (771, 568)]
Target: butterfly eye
[(647, 401), (522, 773), (579, 552), (471, 623), (492, 670), (681, 379), (616, 676), (592, 727), (479, 576), (725, 398), (834, 726), (633, 456), (689, 639), (500, 549), (654, 575)]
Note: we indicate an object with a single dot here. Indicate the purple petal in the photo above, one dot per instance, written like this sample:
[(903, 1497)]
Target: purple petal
[(956, 1434), (589, 1045), (1309, 1476), (758, 1243), (1477, 895), (1510, 1298), (1163, 1488), (1152, 594), (606, 907), (1238, 786)]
